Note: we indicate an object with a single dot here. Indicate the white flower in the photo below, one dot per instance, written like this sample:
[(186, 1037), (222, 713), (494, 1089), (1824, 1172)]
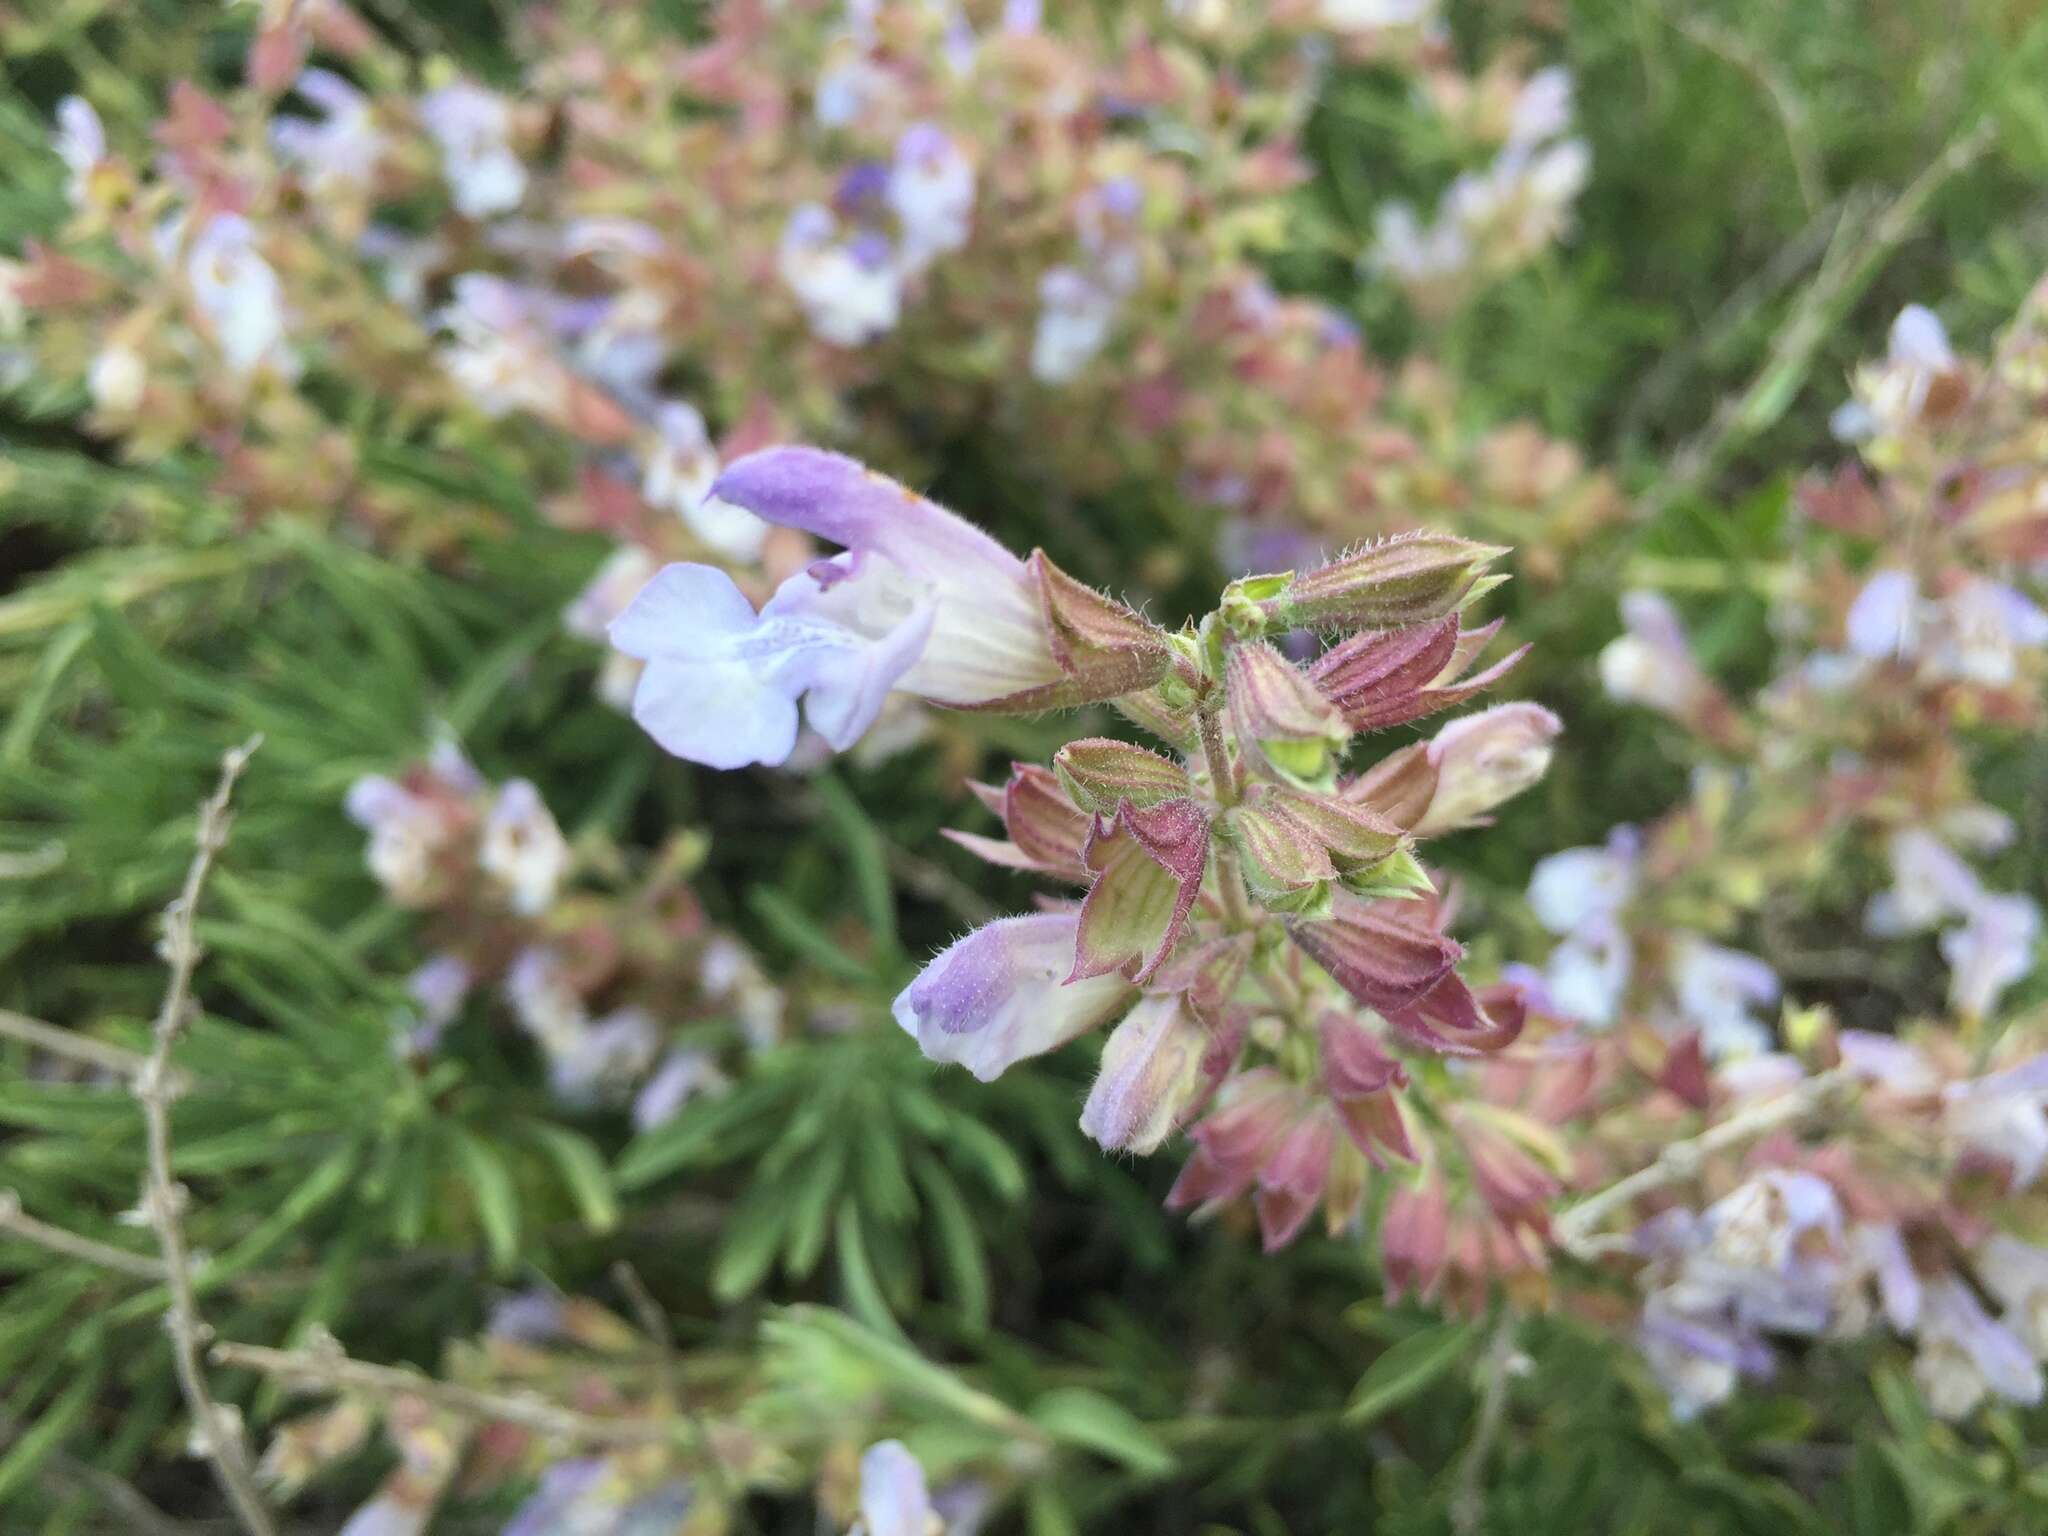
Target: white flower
[(596, 1062), (406, 831), (2002, 1118), (523, 849), (1075, 319), (544, 1003), (851, 291), (678, 473), (81, 143), (1982, 628), (1716, 989), (342, 147), (1964, 1354), (473, 127), (1992, 949), (1586, 977), (931, 192), (239, 296), (1569, 889), (1884, 621), (117, 380), (1929, 884)]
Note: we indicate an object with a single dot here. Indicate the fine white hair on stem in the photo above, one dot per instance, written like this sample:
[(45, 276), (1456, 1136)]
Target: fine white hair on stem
[(162, 1197)]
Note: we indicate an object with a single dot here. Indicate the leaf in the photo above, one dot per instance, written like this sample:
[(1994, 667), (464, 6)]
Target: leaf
[(810, 1196), (1077, 1416), (584, 1172), (42, 1438), (867, 856), (1407, 1368), (497, 1202), (796, 929), (959, 1244), (752, 1235), (864, 1297)]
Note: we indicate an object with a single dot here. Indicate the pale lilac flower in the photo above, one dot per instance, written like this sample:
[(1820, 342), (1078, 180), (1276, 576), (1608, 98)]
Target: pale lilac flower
[(1930, 884), (1484, 759), (1883, 623), (678, 472), (1716, 991), (1984, 626), (389, 1514), (1992, 949), (681, 1077), (1652, 664), (543, 1002), (1543, 107), (1569, 889), (1886, 1061), (1023, 16), (931, 192), (535, 1316), (1586, 977), (1964, 1355), (590, 613), (1698, 1362), (473, 128), (851, 290), (522, 848), (850, 87), (893, 1496), (921, 601), (1891, 395), (573, 1496), (1000, 994), (1076, 316), (239, 296), (1431, 257), (1151, 1072), (341, 148), (1877, 1254), (406, 831), (438, 990), (497, 354), (81, 143), (2004, 1118), (2016, 1273), (597, 1062)]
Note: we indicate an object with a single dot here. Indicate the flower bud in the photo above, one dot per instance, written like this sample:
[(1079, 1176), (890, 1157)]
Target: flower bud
[(1411, 579), (1384, 953), (1398, 787), (1485, 759), (1047, 830), (1387, 679), (1099, 774), (1151, 1076), (1415, 1240), (1292, 1181), (1278, 714), (1148, 864)]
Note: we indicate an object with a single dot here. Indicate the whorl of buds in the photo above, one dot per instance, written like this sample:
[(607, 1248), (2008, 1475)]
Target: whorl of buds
[(1277, 713)]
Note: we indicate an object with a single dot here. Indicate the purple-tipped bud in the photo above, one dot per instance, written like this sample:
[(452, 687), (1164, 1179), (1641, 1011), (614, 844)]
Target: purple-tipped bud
[(1415, 1240), (1101, 648), (1277, 713), (1292, 1182), (1485, 759), (1399, 787), (1412, 579), (1387, 679), (1151, 1076), (999, 995), (1099, 774)]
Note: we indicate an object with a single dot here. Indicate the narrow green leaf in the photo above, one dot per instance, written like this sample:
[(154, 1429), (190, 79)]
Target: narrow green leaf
[(1408, 1368), (583, 1172), (1077, 1416), (497, 1201)]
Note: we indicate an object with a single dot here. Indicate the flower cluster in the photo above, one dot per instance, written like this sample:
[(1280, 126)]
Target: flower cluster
[(632, 994), (901, 220), (1255, 920)]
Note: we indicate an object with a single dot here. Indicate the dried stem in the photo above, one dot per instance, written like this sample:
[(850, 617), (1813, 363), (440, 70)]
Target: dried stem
[(1468, 1501), (328, 1369), (73, 1245), (1575, 1230), (69, 1043), (163, 1198)]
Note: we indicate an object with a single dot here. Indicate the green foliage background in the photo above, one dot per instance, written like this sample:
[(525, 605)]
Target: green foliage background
[(1740, 149)]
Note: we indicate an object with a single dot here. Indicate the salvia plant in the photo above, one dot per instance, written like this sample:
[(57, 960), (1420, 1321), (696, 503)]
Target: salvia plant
[(1442, 1054)]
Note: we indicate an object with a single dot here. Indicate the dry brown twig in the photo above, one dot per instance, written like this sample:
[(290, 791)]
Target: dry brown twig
[(323, 1366), (163, 1197), (74, 1245)]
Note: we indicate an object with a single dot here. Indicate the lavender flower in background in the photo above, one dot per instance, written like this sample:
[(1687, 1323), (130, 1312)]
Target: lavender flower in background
[(473, 128), (931, 192), (340, 149), (850, 288), (239, 296)]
